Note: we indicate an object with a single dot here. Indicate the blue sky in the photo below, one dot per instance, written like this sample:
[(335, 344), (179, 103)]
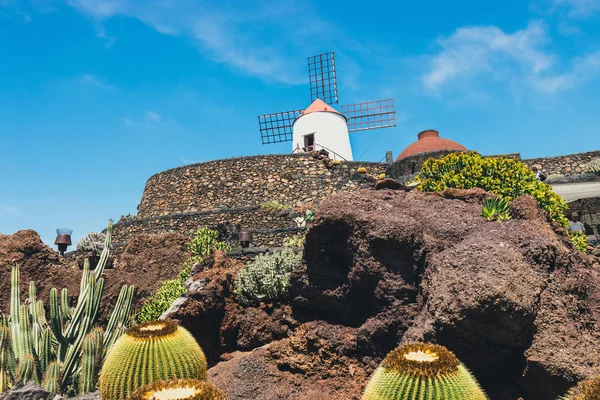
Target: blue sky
[(96, 96)]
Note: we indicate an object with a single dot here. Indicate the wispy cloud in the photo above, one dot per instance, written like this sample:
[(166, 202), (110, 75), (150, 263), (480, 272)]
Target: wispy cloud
[(151, 116), (582, 70), (253, 37), (95, 81), (473, 51), (7, 209), (578, 8)]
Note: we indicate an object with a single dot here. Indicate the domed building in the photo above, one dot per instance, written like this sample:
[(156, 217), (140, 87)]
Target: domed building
[(428, 145)]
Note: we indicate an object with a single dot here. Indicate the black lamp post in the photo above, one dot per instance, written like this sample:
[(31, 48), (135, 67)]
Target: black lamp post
[(245, 238), (63, 239)]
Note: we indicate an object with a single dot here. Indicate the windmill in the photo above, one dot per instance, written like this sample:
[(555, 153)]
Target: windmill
[(320, 126)]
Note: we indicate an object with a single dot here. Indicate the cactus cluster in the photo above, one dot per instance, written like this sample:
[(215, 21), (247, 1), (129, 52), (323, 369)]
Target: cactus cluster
[(585, 390), (179, 389), (93, 242), (149, 352), (495, 208), (422, 371), (64, 351), (593, 166)]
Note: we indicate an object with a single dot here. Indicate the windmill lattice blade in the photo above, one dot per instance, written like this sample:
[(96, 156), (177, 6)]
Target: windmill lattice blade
[(277, 127), (370, 115), (322, 78)]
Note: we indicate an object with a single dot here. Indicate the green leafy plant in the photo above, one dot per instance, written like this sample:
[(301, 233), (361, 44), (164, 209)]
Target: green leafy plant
[(272, 206), (593, 166), (503, 176), (203, 243), (579, 239), (495, 208), (419, 371), (57, 352), (294, 241), (267, 278), (179, 389), (301, 222), (152, 351)]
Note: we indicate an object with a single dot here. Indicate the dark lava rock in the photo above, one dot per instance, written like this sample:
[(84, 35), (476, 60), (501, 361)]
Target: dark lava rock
[(514, 300), (29, 391), (391, 184)]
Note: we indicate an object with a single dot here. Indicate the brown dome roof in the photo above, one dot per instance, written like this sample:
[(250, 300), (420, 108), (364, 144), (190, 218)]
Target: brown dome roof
[(430, 140)]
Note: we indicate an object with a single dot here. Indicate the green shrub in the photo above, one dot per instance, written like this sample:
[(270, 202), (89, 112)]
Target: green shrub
[(506, 177), (294, 241), (272, 206), (553, 177), (204, 243), (267, 278), (579, 239)]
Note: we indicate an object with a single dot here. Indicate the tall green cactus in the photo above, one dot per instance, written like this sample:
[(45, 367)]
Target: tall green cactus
[(422, 371), (148, 352), (65, 350)]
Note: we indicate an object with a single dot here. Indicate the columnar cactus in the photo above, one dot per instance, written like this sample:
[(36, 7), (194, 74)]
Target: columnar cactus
[(179, 389), (422, 371), (585, 390), (152, 351), (29, 344), (593, 166)]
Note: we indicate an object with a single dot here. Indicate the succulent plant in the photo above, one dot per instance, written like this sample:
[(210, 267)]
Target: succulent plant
[(335, 162), (361, 170), (422, 371), (593, 166), (179, 389), (93, 242), (381, 177), (584, 390), (495, 208), (152, 351), (52, 351)]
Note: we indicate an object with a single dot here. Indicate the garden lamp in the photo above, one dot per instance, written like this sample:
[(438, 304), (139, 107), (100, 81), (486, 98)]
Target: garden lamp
[(63, 239)]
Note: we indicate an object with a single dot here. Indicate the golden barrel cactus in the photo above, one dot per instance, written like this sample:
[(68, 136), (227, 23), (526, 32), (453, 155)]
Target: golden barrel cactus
[(179, 389), (422, 371), (585, 390), (149, 352)]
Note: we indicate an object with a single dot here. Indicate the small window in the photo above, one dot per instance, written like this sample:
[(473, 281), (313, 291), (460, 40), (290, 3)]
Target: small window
[(309, 142)]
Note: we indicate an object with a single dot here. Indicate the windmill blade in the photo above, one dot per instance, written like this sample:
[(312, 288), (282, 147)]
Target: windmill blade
[(277, 127), (322, 78), (370, 115)]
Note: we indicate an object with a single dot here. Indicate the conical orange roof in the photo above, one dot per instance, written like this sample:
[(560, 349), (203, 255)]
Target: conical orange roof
[(320, 106)]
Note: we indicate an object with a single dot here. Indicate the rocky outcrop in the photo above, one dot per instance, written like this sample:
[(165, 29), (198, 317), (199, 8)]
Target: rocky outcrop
[(146, 262), (514, 300)]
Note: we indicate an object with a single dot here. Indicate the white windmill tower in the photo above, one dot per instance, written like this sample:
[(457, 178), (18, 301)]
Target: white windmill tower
[(320, 126)]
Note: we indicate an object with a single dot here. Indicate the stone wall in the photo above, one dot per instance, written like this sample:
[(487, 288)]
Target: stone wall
[(571, 164), (247, 181), (230, 191), (589, 213), (407, 168)]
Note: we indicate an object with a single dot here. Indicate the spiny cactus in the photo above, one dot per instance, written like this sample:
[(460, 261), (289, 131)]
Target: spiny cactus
[(179, 389), (93, 242), (422, 371), (152, 351), (593, 166), (585, 390), (33, 348)]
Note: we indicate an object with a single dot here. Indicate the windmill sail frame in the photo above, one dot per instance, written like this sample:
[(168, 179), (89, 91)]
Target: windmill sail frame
[(322, 77)]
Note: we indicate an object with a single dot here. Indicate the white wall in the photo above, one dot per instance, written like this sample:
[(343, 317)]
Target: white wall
[(330, 130)]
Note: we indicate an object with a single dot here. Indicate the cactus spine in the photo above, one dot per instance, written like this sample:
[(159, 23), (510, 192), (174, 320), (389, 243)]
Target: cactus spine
[(422, 371), (179, 389), (29, 343), (149, 352), (585, 390)]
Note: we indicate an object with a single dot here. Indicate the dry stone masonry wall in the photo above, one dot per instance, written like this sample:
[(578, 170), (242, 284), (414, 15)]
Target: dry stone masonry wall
[(571, 164), (230, 191)]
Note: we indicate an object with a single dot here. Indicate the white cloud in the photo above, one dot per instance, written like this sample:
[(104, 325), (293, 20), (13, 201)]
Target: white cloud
[(255, 37), (7, 209), (583, 69), (579, 8), (151, 116), (94, 81), (127, 121), (473, 51)]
